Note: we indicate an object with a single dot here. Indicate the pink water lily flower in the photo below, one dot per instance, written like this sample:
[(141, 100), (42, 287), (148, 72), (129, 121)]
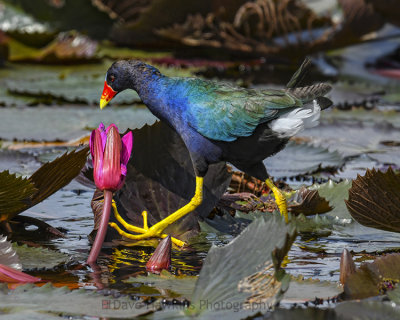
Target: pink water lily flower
[(110, 156)]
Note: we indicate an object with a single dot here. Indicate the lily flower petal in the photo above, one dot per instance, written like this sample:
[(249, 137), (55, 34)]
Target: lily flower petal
[(112, 160), (127, 143), (8, 274)]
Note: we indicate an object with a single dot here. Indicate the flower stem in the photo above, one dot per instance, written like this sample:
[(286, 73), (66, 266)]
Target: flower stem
[(101, 232)]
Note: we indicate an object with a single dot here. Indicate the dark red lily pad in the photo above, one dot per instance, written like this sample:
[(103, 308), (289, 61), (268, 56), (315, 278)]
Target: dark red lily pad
[(309, 202), (18, 194), (374, 200)]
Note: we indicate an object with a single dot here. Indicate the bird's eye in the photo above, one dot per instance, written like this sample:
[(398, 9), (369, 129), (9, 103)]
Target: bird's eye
[(112, 78)]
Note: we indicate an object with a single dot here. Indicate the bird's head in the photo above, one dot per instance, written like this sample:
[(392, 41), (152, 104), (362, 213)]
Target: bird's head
[(120, 76)]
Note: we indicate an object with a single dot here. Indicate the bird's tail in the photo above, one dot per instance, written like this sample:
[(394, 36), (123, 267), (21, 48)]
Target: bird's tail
[(308, 93), (313, 92)]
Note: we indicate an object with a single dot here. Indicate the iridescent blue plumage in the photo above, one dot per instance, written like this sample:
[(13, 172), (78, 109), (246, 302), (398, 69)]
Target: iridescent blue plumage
[(219, 121)]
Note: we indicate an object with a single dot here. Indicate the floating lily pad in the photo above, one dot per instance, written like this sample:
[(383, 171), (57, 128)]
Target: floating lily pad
[(67, 48), (23, 26), (66, 124), (302, 290), (39, 258), (55, 301), (308, 202), (18, 162), (181, 285), (19, 194), (248, 267), (374, 200), (15, 196), (301, 159), (336, 194)]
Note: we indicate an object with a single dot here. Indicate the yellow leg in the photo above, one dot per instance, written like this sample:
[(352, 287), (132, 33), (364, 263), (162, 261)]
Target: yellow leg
[(279, 198), (156, 231)]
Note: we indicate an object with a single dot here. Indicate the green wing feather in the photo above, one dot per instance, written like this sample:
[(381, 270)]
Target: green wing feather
[(223, 112)]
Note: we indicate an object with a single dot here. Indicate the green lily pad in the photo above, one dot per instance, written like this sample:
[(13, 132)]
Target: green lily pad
[(248, 267), (243, 277), (301, 159), (181, 285), (336, 194), (22, 163), (302, 290), (65, 124), (39, 258), (55, 301)]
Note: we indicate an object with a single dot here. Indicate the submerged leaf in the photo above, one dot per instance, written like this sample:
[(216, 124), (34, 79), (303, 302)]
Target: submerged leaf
[(374, 200)]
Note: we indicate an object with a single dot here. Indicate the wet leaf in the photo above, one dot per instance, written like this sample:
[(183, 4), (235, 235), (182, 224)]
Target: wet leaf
[(161, 179), (58, 84), (182, 285), (319, 225), (24, 27), (248, 267), (243, 201), (309, 202), (65, 124), (302, 290), (373, 279), (66, 48), (371, 310), (15, 196), (39, 258), (374, 200), (347, 266), (22, 163), (55, 301), (301, 159), (20, 194), (8, 256), (335, 194), (54, 175), (68, 15)]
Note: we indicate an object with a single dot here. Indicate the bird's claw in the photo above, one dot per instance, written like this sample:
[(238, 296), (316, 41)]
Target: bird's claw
[(143, 233)]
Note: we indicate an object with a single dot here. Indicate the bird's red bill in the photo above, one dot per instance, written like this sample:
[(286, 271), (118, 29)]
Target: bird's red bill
[(107, 95)]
